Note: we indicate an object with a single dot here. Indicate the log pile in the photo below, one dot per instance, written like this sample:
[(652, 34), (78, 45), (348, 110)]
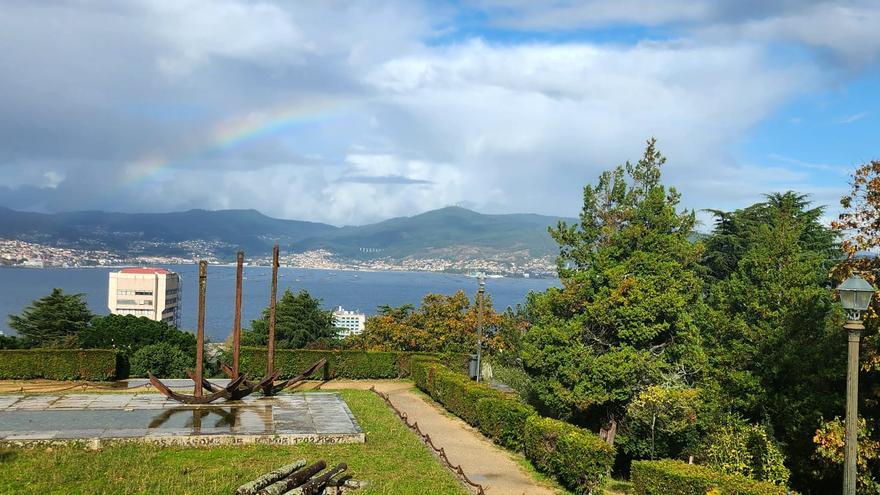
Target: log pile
[(298, 478)]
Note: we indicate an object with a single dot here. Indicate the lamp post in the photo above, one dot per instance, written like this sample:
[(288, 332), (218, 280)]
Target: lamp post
[(482, 288), (855, 297)]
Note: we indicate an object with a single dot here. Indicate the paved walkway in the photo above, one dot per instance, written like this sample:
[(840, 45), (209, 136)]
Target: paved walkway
[(482, 461)]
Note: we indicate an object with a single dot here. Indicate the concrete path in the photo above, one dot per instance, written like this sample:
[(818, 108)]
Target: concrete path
[(483, 462)]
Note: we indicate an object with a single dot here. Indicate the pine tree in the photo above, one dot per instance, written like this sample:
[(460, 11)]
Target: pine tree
[(299, 321), (54, 320), (624, 318)]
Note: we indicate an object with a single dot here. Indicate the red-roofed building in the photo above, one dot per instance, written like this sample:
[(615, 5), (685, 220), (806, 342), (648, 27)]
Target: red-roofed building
[(152, 293)]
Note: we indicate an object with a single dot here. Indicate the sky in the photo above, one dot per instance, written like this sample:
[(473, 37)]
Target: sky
[(350, 112)]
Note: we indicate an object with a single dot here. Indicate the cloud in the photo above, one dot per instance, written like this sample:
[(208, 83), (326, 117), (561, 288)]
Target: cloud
[(852, 118), (358, 111), (382, 179)]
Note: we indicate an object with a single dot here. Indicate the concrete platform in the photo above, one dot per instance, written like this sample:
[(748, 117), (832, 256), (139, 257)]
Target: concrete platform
[(284, 419)]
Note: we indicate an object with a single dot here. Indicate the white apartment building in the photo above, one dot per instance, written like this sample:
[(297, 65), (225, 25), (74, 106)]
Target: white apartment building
[(150, 292), (350, 322)]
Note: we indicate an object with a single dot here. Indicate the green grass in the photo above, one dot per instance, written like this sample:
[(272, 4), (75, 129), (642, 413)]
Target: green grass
[(393, 460)]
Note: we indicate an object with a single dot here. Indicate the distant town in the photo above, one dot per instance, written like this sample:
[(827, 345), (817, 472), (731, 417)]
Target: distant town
[(16, 253)]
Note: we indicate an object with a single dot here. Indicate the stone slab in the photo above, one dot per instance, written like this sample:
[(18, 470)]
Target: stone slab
[(314, 417)]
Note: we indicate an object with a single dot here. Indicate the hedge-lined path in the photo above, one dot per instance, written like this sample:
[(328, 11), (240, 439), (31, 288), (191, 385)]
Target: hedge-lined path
[(482, 461)]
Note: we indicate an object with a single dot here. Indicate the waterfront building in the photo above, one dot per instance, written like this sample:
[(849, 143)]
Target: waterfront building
[(150, 292), (350, 322)]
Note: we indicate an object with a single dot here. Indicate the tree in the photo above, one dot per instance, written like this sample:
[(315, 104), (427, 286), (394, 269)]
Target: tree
[(130, 333), (830, 443), (859, 225), (669, 414), (163, 360), (772, 331), (441, 324), (54, 320), (625, 317), (299, 320)]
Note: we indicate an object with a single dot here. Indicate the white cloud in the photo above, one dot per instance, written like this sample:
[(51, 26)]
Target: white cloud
[(407, 121)]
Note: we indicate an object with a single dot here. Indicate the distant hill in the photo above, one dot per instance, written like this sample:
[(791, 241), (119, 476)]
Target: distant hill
[(447, 232), (247, 229)]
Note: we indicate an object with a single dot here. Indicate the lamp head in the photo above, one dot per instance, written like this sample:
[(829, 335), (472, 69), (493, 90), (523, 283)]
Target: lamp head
[(855, 296)]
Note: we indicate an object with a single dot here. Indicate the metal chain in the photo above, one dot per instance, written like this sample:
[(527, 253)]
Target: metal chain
[(427, 439)]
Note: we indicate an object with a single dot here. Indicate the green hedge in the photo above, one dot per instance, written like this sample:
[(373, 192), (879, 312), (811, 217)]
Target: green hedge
[(341, 363), (578, 458), (504, 420), (669, 477), (58, 364)]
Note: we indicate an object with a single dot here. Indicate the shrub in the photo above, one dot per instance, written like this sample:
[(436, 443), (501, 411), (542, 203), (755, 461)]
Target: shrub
[(58, 364), (579, 459), (163, 360), (353, 364), (503, 419), (669, 477)]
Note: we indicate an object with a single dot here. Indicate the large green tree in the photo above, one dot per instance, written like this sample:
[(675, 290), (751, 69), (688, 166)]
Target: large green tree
[(130, 333), (54, 320), (625, 317), (772, 330), (299, 321)]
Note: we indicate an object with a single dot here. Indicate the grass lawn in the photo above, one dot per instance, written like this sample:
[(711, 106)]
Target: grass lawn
[(393, 460)]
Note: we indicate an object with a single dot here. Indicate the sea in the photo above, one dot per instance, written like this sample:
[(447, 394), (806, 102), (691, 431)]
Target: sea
[(353, 290)]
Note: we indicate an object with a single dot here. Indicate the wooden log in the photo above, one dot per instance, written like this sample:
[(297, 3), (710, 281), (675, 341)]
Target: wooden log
[(294, 480), (315, 485), (251, 488)]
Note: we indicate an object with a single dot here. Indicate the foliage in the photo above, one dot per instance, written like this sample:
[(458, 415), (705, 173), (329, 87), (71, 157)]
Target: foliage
[(666, 415), (129, 333), (13, 342), (579, 459), (299, 320), (341, 363), (441, 324), (163, 360), (54, 320), (668, 477), (860, 226), (625, 316), (772, 330), (738, 448), (58, 364), (737, 232), (830, 443), (516, 378), (393, 460)]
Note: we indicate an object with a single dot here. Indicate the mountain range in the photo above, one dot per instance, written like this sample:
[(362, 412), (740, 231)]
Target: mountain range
[(444, 233)]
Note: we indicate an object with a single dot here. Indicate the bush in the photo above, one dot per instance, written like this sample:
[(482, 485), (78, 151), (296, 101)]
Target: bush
[(341, 363), (58, 364), (163, 360), (669, 477), (579, 459), (503, 419)]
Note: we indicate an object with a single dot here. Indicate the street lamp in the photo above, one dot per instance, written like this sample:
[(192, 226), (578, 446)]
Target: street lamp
[(481, 280), (855, 297)]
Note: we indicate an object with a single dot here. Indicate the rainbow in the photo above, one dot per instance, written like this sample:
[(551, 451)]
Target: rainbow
[(228, 135)]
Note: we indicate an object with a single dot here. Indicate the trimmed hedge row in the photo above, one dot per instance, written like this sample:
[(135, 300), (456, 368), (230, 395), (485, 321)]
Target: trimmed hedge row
[(669, 477), (341, 363), (577, 458), (58, 364)]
